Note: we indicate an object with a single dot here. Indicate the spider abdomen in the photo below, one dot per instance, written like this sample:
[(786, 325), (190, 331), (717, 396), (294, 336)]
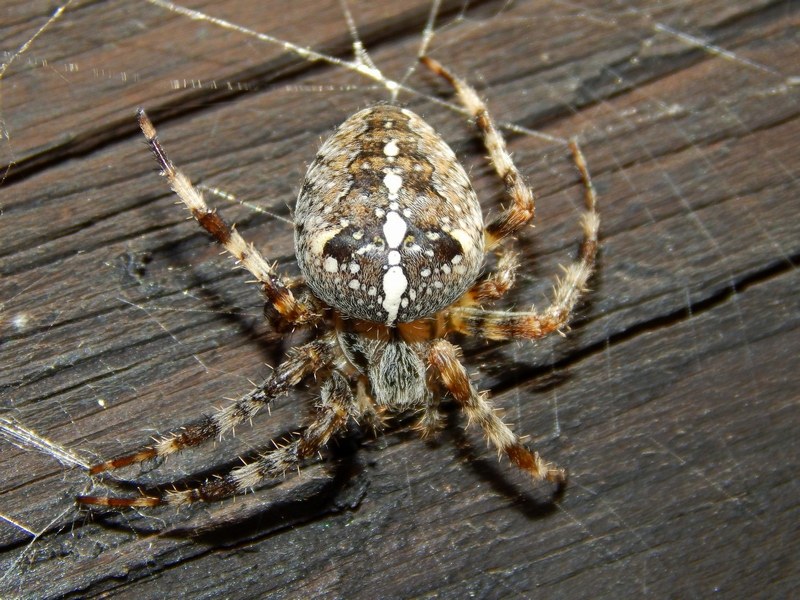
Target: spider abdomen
[(387, 226)]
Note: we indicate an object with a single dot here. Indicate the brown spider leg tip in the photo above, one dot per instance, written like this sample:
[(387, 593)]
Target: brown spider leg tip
[(123, 461), (435, 66), (144, 502), (101, 468)]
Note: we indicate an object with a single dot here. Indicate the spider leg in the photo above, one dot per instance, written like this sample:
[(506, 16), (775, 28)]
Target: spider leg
[(505, 325), (523, 200), (331, 413), (370, 417), (432, 419), (277, 292), (495, 285), (443, 357), (300, 363)]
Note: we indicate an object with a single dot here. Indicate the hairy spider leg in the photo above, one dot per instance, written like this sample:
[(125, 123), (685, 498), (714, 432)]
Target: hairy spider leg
[(443, 358), (506, 325), (301, 362), (522, 207), (330, 415), (276, 291)]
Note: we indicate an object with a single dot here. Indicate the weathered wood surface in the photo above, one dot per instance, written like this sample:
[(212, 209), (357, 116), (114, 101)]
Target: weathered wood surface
[(673, 401)]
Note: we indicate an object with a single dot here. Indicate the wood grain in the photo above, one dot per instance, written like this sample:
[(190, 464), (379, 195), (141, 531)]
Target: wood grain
[(673, 401)]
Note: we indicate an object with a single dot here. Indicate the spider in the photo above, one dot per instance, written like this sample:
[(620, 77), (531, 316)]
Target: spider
[(390, 240)]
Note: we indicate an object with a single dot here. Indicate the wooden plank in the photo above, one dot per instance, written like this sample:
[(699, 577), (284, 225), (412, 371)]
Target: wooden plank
[(673, 401)]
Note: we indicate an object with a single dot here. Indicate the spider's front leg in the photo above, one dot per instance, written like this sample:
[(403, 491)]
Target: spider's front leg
[(496, 284), (331, 414), (500, 325), (301, 362), (508, 325), (523, 202), (287, 308), (443, 357)]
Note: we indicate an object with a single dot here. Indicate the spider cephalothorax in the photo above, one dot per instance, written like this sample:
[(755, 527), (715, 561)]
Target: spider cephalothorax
[(390, 240)]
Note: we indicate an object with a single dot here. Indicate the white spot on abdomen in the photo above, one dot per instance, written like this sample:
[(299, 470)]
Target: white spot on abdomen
[(394, 230), (393, 183), (331, 265), (394, 286), (321, 238), (391, 148)]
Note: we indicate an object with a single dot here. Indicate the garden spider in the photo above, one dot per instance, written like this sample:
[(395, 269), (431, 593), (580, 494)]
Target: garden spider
[(390, 240)]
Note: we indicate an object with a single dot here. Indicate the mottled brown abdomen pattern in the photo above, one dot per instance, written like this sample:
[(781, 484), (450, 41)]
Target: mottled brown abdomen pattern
[(387, 226)]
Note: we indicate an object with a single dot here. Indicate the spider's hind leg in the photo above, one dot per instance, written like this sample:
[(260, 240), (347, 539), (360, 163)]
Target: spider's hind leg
[(331, 414), (496, 284), (523, 201), (502, 325)]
